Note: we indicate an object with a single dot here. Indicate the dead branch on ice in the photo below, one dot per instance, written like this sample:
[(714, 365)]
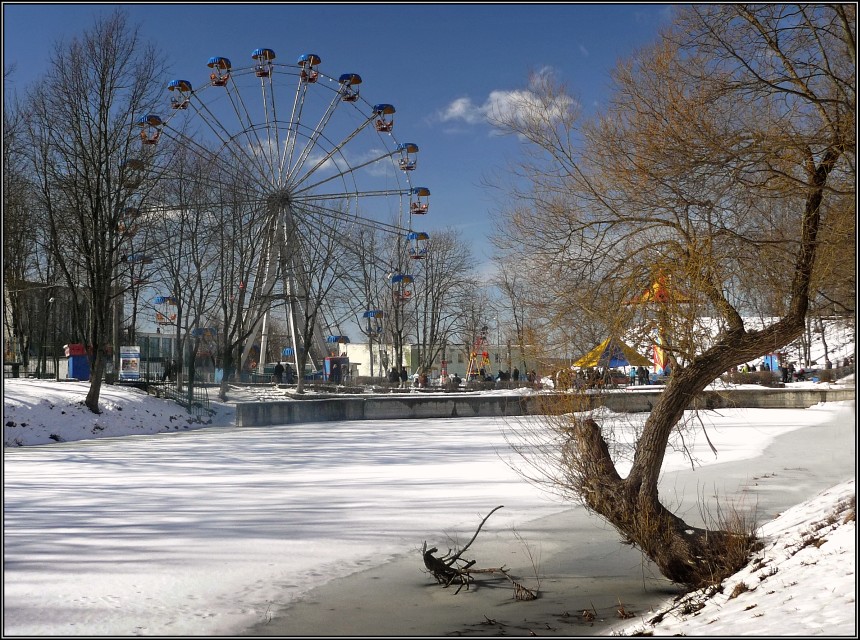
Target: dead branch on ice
[(452, 568)]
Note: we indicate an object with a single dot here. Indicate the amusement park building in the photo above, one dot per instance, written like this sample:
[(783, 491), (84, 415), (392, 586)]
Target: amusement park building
[(455, 359)]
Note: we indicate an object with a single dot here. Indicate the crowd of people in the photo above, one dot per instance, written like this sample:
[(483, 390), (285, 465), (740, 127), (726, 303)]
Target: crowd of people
[(599, 377), (567, 378), (399, 378)]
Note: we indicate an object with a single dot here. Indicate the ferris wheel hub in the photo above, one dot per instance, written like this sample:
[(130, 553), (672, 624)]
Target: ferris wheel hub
[(280, 199)]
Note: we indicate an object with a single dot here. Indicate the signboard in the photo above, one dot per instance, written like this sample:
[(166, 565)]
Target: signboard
[(129, 363), (76, 349)]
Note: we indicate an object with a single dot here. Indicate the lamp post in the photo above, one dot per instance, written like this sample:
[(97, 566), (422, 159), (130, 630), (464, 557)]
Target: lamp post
[(498, 342), (54, 339)]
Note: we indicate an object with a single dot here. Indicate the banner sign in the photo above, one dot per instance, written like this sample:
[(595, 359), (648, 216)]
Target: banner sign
[(129, 363)]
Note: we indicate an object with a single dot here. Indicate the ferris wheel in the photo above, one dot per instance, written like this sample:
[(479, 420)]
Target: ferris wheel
[(314, 154)]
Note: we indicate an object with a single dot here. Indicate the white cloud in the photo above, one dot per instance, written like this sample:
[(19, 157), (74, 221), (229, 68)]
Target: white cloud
[(464, 109), (506, 104)]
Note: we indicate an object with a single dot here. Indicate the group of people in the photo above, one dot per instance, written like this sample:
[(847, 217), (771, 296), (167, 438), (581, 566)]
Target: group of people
[(640, 375), (280, 371), (399, 378), (584, 378)]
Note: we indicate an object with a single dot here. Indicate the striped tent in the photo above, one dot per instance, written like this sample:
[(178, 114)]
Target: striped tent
[(612, 352)]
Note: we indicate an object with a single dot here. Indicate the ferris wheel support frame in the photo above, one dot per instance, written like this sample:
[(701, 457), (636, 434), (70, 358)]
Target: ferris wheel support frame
[(294, 293)]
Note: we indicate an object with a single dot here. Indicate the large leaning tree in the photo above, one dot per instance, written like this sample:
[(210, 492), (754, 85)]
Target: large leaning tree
[(720, 180)]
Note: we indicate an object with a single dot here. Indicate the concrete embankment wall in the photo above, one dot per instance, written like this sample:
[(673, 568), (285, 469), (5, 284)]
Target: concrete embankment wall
[(410, 406)]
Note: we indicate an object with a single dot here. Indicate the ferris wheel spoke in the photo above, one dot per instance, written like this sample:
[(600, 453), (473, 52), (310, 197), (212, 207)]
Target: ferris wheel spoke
[(247, 129), (335, 150), (227, 138), (342, 173), (203, 152), (314, 138), (293, 130), (272, 133), (356, 219), (266, 163), (359, 194), (289, 140)]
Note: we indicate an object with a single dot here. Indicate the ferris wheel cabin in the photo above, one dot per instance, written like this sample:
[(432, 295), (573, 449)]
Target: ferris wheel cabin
[(374, 321), (220, 70), (183, 89), (131, 173), (419, 200), (349, 86), (384, 122), (150, 128), (419, 244), (264, 57), (408, 162), (400, 287), (307, 61)]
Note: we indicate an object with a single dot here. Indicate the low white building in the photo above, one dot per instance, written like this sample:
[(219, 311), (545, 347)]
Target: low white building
[(454, 359)]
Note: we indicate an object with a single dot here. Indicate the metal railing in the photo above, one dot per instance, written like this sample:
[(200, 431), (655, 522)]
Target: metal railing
[(194, 398)]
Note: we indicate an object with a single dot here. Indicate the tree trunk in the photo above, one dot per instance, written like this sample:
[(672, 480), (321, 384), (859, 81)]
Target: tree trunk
[(96, 374), (688, 555)]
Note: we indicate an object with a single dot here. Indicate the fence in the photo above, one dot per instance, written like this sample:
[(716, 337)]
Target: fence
[(194, 398)]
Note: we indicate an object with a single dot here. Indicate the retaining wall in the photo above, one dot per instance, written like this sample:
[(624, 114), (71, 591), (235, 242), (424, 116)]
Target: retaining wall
[(405, 407)]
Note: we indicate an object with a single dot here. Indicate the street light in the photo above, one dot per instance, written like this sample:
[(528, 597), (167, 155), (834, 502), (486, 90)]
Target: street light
[(54, 339)]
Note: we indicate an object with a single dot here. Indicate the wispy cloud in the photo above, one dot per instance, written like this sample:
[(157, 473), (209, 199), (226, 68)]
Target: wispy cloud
[(506, 105), (464, 109), (584, 51)]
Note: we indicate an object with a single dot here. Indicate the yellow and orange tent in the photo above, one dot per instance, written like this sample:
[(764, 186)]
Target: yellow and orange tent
[(612, 352), (660, 292)]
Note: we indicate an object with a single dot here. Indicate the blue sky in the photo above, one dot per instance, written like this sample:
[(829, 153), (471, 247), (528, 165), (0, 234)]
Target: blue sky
[(441, 65)]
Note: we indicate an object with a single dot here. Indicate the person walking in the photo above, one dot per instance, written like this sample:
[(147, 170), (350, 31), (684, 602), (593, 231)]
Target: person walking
[(404, 378), (279, 373)]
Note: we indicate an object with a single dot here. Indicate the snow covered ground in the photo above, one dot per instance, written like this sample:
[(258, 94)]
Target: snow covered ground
[(141, 521)]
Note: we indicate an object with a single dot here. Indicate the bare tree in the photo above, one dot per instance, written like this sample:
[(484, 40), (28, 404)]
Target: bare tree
[(83, 150), (20, 261), (238, 228), (371, 279), (447, 283), (727, 154), (317, 265), (187, 250)]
